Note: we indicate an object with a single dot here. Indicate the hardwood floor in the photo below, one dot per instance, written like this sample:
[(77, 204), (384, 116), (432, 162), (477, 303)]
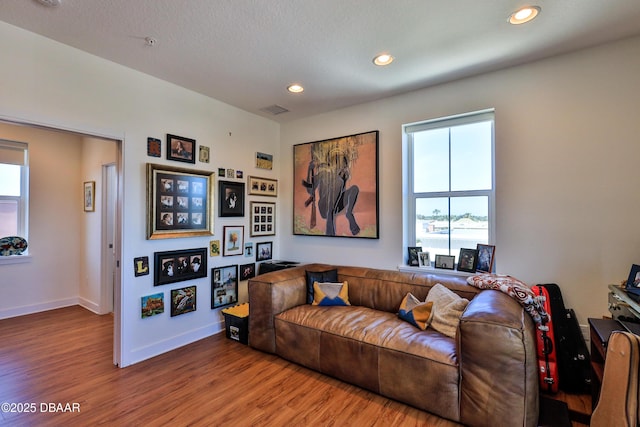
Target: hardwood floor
[(64, 357)]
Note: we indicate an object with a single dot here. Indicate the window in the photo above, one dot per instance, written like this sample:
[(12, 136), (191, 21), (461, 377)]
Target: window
[(450, 182), (13, 189)]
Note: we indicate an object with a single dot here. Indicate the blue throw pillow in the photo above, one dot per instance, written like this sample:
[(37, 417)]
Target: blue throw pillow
[(319, 276)]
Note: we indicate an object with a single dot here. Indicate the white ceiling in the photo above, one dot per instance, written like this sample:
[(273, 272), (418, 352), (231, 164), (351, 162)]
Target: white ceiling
[(246, 52)]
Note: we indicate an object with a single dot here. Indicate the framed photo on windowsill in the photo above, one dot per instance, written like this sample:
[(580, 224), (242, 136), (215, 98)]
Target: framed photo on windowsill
[(485, 257), (445, 261), (468, 260)]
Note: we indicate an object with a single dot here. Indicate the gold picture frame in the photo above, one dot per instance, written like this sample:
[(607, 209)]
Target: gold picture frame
[(179, 202)]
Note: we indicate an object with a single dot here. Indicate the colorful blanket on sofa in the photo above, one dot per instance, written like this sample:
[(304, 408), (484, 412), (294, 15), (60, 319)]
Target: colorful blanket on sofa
[(516, 289)]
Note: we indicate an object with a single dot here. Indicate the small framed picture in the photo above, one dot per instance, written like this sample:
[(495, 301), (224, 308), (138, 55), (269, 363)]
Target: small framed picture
[(89, 196), (177, 266), (152, 305), (248, 249), (247, 271), (154, 147), (183, 300), (485, 257), (214, 248), (224, 286), (141, 266), (424, 258), (233, 243), (222, 172), (468, 260), (181, 149), (203, 154), (264, 161), (445, 261), (633, 282), (263, 186), (263, 219), (264, 251), (231, 196), (413, 255)]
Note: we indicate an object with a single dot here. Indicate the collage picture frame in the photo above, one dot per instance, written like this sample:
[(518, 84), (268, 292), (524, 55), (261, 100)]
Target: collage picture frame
[(179, 202), (263, 219), (178, 266)]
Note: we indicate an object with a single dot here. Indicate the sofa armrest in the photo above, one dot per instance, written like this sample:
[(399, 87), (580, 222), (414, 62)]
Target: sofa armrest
[(498, 363), (271, 294)]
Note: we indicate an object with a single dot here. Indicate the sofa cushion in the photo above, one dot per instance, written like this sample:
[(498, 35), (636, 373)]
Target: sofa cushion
[(319, 276), (327, 294), (414, 311), (447, 309)]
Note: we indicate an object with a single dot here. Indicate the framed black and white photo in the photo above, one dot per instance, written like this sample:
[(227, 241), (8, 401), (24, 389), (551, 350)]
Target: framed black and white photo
[(264, 251), (231, 198), (224, 286), (413, 255), (263, 186), (263, 219), (181, 149), (424, 259), (179, 202), (177, 266), (445, 261), (485, 257), (468, 260)]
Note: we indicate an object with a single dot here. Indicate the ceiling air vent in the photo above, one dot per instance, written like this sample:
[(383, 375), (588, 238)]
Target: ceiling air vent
[(274, 109)]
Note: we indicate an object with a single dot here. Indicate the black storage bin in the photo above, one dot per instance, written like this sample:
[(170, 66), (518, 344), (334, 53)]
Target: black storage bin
[(236, 322)]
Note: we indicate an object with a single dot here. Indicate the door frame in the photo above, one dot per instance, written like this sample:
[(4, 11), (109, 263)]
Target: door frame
[(118, 139)]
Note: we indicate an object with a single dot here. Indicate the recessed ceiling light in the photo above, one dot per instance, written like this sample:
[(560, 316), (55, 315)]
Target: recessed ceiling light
[(524, 14), (383, 59), (295, 88)]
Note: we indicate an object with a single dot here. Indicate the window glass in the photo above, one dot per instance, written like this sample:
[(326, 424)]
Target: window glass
[(10, 180), (451, 190)]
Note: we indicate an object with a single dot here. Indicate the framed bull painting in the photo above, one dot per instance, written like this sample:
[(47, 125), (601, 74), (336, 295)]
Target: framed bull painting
[(336, 187)]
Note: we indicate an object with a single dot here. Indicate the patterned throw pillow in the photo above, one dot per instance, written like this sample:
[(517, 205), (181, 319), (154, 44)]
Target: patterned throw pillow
[(516, 289), (447, 309), (319, 276), (331, 294), (418, 313)]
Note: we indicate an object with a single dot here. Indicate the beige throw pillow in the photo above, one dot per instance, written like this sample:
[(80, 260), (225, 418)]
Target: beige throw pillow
[(447, 309)]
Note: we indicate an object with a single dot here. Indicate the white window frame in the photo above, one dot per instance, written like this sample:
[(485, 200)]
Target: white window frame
[(445, 122), (23, 199)]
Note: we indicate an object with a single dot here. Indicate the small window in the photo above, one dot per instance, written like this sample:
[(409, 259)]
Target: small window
[(13, 189), (450, 180)]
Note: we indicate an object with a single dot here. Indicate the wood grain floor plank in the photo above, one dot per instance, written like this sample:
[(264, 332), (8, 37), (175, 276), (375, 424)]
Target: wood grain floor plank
[(65, 356)]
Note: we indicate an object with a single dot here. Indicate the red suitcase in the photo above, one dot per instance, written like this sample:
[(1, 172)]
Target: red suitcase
[(546, 347)]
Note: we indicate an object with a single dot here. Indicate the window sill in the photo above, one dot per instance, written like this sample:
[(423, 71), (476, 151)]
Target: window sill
[(408, 269), (14, 259)]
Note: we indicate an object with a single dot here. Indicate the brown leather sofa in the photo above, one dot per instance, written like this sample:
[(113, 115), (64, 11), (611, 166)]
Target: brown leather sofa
[(486, 376)]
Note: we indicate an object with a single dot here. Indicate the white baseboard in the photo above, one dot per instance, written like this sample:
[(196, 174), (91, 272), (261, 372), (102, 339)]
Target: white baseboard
[(37, 308), (147, 352), (89, 305)]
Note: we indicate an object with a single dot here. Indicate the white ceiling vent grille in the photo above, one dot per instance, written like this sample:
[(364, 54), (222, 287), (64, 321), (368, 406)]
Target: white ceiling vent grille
[(274, 109)]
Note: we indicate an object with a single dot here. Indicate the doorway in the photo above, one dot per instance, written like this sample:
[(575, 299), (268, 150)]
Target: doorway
[(94, 292)]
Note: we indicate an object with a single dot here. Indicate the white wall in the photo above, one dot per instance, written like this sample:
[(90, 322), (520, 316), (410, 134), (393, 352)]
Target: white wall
[(51, 277), (96, 153), (104, 99), (566, 148)]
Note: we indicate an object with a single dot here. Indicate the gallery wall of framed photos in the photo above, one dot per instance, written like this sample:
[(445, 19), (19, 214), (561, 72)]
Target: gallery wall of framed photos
[(202, 200)]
